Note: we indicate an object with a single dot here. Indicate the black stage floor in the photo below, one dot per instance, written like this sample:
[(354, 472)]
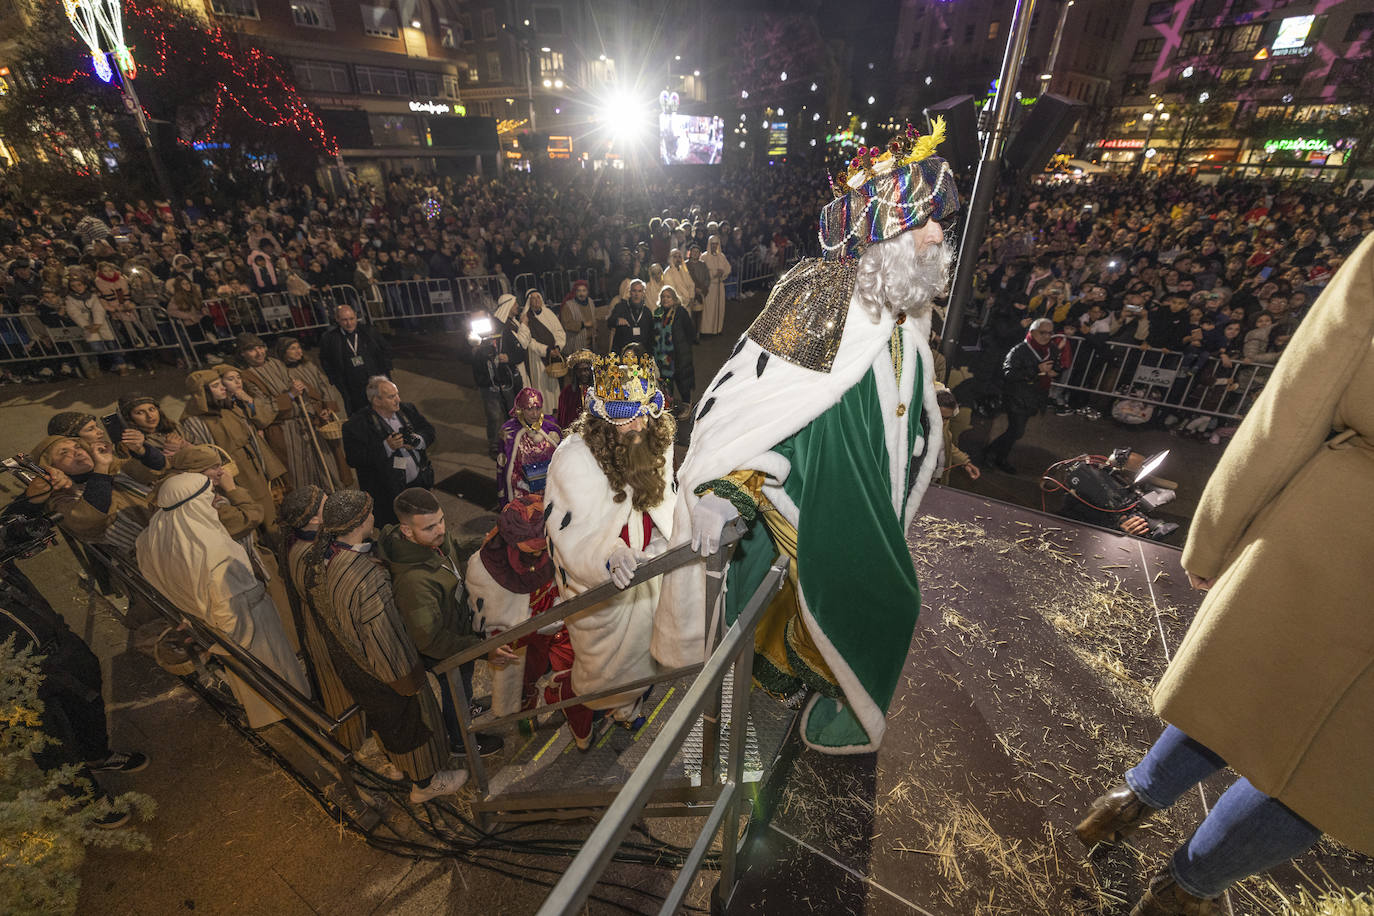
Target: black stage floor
[(1024, 697)]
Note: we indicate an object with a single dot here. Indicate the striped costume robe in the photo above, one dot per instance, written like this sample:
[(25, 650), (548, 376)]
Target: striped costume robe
[(334, 696), (354, 601), (321, 394), (290, 434)]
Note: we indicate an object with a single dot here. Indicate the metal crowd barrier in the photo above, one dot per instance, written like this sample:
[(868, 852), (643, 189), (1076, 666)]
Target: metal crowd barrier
[(1179, 381), (25, 340), (413, 304), (756, 268), (703, 699), (556, 284)]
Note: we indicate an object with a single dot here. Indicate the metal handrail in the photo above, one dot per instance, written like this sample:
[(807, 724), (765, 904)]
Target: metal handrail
[(736, 648), (583, 604), (665, 562), (307, 719)]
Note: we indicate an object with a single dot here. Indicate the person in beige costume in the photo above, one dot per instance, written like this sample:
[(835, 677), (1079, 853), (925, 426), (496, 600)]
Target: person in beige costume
[(1276, 675)]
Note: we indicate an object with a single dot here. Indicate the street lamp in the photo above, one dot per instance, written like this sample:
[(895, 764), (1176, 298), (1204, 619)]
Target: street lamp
[(1158, 115), (1054, 48)]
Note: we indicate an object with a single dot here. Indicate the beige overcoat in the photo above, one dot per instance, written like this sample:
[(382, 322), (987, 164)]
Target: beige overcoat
[(1276, 673)]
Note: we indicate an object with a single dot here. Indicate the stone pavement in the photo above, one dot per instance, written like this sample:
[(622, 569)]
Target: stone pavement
[(233, 833)]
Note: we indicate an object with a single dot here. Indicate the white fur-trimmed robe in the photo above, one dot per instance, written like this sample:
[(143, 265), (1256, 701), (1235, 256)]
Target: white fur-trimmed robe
[(758, 404), (583, 522)]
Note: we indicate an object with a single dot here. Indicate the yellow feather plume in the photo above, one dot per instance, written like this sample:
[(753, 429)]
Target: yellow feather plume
[(925, 146)]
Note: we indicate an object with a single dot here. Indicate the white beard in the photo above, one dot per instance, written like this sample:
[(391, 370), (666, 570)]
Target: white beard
[(896, 276)]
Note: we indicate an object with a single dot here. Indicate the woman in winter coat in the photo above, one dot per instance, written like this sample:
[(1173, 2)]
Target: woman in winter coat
[(117, 297), (674, 334), (1257, 341), (1275, 678), (85, 310)]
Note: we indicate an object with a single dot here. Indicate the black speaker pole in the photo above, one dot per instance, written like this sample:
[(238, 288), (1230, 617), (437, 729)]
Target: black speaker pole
[(985, 183)]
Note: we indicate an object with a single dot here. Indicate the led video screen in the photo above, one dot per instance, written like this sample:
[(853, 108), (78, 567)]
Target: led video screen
[(690, 139)]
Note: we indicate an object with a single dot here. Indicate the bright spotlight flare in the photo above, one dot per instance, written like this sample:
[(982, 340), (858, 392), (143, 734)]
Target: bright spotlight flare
[(94, 19), (626, 118)]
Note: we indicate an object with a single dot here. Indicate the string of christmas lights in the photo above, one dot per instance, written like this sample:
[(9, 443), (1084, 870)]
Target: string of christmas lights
[(251, 69)]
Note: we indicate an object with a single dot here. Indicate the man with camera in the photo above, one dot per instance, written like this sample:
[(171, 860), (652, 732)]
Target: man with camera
[(497, 355), (387, 444)]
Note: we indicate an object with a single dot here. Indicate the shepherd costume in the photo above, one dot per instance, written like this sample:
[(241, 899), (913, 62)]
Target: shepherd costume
[(812, 427), (585, 524), (188, 556), (205, 423), (348, 592), (526, 450), (291, 434), (298, 534)]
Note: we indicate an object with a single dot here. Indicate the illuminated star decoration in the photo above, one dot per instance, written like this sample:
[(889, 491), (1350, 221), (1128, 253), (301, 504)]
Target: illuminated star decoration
[(432, 209), (271, 99), (110, 15), (84, 21)]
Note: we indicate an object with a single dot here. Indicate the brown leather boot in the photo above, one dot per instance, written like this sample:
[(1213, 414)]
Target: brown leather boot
[(1165, 898), (1112, 817)]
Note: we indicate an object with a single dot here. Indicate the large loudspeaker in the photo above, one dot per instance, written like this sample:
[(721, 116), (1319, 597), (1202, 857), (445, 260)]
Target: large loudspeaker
[(960, 148), (1041, 133)]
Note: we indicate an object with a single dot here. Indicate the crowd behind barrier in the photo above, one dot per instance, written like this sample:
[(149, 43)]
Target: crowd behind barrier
[(1219, 388), (1173, 298), (279, 261)]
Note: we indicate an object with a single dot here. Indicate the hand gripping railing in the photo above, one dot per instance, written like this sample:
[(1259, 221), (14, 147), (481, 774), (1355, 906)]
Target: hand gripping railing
[(703, 699), (586, 603)]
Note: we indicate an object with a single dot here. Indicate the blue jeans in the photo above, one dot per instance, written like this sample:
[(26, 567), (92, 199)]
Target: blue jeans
[(446, 704), (1246, 833), (112, 358)]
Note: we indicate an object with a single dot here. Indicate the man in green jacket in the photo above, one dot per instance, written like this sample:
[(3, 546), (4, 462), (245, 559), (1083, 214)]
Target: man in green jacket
[(427, 583)]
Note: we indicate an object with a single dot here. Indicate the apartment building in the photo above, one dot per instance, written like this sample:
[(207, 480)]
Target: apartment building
[(386, 76), (1250, 87)]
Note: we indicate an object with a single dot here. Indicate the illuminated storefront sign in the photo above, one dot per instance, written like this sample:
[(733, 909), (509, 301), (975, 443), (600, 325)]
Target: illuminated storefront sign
[(1123, 144), (438, 108), (1299, 145), (777, 138), (560, 147)]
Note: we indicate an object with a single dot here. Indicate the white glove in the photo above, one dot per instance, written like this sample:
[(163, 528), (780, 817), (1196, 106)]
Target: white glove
[(709, 517), (622, 564)]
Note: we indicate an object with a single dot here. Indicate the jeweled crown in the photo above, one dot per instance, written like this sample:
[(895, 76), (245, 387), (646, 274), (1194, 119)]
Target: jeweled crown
[(624, 388), (871, 162), (635, 378)]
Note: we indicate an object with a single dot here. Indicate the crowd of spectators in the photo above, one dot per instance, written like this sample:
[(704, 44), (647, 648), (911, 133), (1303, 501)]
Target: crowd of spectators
[(129, 273), (1208, 281)]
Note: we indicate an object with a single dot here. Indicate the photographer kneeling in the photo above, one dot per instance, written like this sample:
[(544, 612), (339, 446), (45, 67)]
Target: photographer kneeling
[(387, 444)]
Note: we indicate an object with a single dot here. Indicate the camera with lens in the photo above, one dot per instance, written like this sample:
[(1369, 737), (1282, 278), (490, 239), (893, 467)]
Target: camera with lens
[(23, 536), (409, 437), (25, 529)]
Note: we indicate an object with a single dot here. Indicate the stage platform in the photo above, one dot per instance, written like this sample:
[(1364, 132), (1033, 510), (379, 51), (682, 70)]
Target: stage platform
[(1024, 697)]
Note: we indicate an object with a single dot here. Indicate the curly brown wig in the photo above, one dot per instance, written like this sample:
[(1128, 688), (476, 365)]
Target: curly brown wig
[(639, 465)]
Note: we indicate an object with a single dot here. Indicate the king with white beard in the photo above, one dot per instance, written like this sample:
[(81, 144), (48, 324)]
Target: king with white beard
[(822, 431)]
